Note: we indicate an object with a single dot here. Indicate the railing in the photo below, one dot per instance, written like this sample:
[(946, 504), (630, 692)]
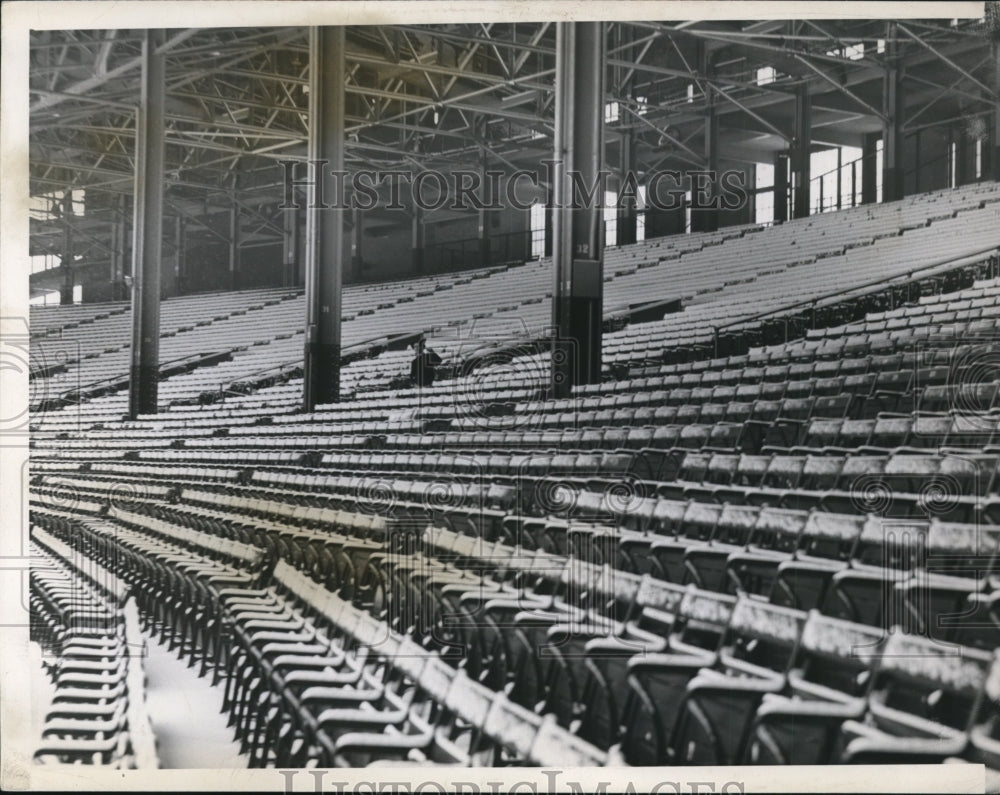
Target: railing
[(836, 201), (115, 382), (451, 255), (992, 254), (287, 370)]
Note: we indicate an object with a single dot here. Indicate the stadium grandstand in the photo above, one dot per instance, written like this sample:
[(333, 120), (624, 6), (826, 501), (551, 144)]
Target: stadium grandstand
[(708, 471)]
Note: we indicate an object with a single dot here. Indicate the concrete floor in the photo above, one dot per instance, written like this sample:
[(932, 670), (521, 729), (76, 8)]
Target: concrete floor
[(186, 713)]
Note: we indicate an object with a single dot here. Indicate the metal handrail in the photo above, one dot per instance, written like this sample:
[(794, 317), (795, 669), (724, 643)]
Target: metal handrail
[(279, 369), (116, 378), (815, 301)]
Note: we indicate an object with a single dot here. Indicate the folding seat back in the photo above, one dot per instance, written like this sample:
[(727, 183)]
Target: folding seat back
[(725, 436), (751, 469), (860, 477), (668, 517), (737, 411), (723, 393), (663, 415), (550, 439), (777, 530), (855, 433), (693, 437), (707, 564), (711, 377), (784, 472), (747, 392), (699, 521), (909, 473), (721, 468), (985, 733), (830, 536), (735, 525), (799, 387), (761, 638), (800, 371), (696, 528), (922, 702), (859, 384), (679, 396), (766, 410), (688, 413), (890, 432), (930, 431), (773, 390), (612, 463), (713, 412), (937, 398), (899, 545), (635, 438), (771, 541), (714, 724), (825, 546), (828, 400), (694, 466), (643, 415), (731, 376), (826, 368), (964, 430), (821, 472), (886, 363), (822, 433), (826, 390), (657, 682)]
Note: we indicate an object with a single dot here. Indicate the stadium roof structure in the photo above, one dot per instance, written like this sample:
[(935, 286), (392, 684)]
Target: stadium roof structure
[(453, 95)]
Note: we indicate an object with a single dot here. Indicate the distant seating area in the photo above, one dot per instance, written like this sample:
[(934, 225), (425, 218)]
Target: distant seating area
[(258, 332)]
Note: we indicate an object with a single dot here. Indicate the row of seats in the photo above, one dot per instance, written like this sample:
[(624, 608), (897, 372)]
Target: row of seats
[(705, 678), (349, 692), (87, 623)]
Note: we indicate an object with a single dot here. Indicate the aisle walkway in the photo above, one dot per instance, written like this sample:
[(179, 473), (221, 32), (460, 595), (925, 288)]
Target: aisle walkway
[(42, 690), (187, 717)]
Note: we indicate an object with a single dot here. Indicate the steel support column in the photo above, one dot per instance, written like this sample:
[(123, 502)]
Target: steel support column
[(578, 237), (627, 211), (417, 237), (324, 246), (549, 223), (894, 109), (66, 257), (800, 155), (234, 244), (147, 230), (483, 217), (993, 155), (180, 245), (780, 187), (290, 246), (357, 242), (115, 261), (706, 218), (869, 169)]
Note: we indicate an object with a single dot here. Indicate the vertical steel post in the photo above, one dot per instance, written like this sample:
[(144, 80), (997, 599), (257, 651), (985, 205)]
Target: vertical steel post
[(324, 242), (147, 231), (578, 239)]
